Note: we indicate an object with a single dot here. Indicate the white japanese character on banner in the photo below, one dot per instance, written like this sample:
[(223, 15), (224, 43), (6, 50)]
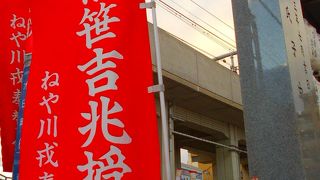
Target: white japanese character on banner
[(17, 55), (47, 153), (99, 24), (22, 23), (110, 76), (18, 37), (16, 77), (92, 126), (46, 176), (18, 22), (54, 80), (15, 115), (52, 98), (114, 168), (50, 125), (16, 96), (86, 1), (93, 117)]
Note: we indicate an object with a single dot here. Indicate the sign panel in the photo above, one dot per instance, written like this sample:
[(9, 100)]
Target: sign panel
[(184, 174), (88, 114), (313, 46), (15, 32), (297, 50), (303, 51)]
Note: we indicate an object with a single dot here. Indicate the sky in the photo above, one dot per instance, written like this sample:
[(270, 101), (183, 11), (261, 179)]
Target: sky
[(220, 8)]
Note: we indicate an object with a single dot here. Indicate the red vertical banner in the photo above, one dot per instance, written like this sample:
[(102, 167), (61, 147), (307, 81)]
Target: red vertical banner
[(88, 114), (15, 32)]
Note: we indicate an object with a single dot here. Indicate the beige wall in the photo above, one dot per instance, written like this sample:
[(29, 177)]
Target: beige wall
[(198, 70)]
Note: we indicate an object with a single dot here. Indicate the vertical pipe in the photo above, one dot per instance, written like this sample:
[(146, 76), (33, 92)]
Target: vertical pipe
[(164, 120)]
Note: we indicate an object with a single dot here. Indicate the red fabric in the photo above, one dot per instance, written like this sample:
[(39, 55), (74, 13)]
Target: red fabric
[(8, 49), (58, 49)]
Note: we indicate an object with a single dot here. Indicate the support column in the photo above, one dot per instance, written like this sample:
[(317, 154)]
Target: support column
[(228, 162), (177, 159), (172, 149)]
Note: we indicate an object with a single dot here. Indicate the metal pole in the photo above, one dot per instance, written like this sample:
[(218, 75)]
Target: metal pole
[(161, 93), (225, 56)]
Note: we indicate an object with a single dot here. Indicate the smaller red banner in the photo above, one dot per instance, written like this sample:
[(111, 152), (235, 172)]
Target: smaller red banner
[(15, 31)]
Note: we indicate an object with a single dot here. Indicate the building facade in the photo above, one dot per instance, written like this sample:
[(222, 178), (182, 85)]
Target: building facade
[(204, 108)]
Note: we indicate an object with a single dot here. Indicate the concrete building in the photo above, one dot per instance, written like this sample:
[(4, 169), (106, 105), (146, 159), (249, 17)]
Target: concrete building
[(205, 110)]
